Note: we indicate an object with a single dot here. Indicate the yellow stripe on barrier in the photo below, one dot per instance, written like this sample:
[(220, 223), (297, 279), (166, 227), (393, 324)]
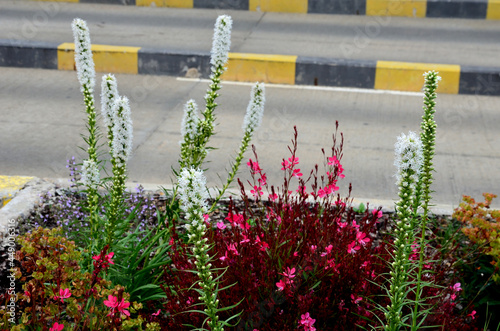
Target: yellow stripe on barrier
[(493, 12), (59, 0), (277, 69), (116, 59), (289, 6), (403, 76), (407, 8), (9, 185), (166, 3)]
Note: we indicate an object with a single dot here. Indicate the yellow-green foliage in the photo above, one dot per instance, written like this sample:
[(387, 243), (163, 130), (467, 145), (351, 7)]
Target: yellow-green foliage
[(48, 265), (481, 225)]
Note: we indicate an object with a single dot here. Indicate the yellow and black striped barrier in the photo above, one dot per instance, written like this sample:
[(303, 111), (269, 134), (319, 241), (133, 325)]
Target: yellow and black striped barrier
[(245, 67), (478, 9)]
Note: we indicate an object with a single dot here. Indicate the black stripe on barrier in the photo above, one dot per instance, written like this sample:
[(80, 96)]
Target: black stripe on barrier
[(457, 9), (479, 80), (222, 4), (35, 54), (161, 62), (335, 72), (111, 2), (344, 7)]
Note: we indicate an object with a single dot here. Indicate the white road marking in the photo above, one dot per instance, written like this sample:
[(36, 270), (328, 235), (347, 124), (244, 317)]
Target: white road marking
[(309, 87)]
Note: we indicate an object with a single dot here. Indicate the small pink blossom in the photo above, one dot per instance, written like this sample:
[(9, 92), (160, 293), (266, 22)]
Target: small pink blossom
[(263, 180), (257, 191), (297, 173), (273, 196), (307, 322), (377, 213), (63, 294), (281, 285), (245, 240), (333, 160), (121, 306), (356, 300), (254, 166), (221, 225), (472, 315), (456, 287), (289, 273), (352, 248), (328, 250), (57, 327), (362, 238), (157, 313)]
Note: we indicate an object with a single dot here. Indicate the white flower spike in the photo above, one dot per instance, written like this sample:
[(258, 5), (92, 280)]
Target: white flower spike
[(109, 93), (255, 110), (122, 130), (409, 155), (83, 55), (221, 41)]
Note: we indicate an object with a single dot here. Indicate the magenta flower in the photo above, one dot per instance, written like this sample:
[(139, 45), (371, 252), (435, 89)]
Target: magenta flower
[(456, 287), (63, 294), (221, 226), (57, 327), (307, 322), (352, 248), (472, 314), (281, 285), (362, 239), (121, 306)]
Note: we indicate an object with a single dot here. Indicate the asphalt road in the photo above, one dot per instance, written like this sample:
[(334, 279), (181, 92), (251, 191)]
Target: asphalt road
[(42, 118), (445, 41)]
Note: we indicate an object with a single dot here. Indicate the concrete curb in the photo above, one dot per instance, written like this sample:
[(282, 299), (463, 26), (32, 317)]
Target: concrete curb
[(472, 9), (246, 67)]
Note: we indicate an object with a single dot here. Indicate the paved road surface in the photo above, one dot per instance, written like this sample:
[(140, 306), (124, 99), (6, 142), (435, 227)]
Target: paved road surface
[(41, 119)]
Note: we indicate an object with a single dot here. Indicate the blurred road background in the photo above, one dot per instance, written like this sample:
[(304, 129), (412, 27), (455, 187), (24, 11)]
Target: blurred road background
[(42, 114)]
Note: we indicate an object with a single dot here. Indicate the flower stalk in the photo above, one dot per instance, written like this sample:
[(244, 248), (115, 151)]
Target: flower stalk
[(193, 195), (251, 122), (86, 76), (408, 161), (428, 138)]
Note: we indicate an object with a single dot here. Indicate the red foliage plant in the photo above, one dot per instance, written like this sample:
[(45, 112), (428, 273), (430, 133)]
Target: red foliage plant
[(303, 259)]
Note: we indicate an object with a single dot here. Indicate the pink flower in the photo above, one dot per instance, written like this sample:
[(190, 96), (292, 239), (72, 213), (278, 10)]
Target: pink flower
[(263, 246), (377, 213), (297, 173), (352, 248), (301, 189), (63, 294), (254, 166), (57, 327), (245, 240), (456, 287), (321, 193), (472, 314), (221, 225), (263, 179), (333, 160), (232, 248), (328, 250), (362, 239), (121, 306), (307, 322), (356, 300), (157, 313), (273, 196), (257, 191), (290, 163), (289, 273), (281, 285)]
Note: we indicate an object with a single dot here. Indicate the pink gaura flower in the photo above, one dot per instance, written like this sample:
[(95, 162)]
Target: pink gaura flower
[(356, 300), (157, 313), (328, 250), (289, 273), (301, 190), (205, 218), (297, 173), (307, 322), (57, 327), (472, 315), (290, 163), (313, 248), (263, 180), (254, 166), (121, 306), (221, 225), (63, 294), (377, 213), (362, 238), (456, 287), (281, 285), (257, 191), (245, 240), (352, 248), (273, 196), (333, 160)]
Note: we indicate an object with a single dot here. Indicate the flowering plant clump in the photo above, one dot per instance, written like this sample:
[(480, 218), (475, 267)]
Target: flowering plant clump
[(56, 294)]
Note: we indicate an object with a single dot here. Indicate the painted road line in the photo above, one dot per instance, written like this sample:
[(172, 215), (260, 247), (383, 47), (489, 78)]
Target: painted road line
[(406, 76), (9, 185), (116, 59)]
